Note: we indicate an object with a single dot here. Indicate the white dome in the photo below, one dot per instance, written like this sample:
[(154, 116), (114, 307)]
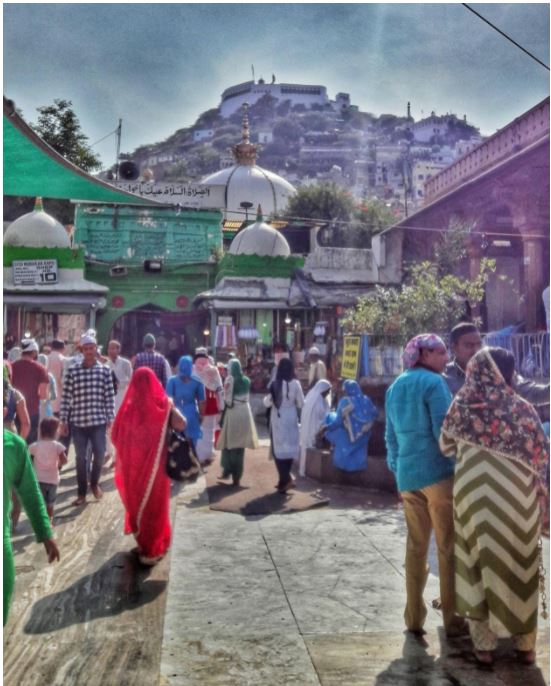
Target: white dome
[(37, 230), (260, 239), (251, 183)]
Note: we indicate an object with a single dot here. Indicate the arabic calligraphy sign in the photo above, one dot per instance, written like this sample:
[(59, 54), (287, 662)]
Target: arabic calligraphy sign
[(191, 195), (132, 234)]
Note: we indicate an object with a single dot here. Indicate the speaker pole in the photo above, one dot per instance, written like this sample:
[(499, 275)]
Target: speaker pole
[(118, 133)]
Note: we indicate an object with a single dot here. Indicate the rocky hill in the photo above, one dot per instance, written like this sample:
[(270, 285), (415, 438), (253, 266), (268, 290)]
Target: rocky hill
[(294, 141)]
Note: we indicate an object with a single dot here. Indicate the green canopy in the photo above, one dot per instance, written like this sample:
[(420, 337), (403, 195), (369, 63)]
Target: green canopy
[(32, 168)]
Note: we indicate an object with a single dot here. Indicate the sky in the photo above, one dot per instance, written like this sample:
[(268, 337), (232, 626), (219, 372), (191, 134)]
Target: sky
[(159, 66)]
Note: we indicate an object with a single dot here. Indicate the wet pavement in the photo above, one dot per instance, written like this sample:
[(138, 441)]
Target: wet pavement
[(313, 597)]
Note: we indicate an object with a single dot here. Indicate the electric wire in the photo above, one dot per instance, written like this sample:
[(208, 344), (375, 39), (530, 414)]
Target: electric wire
[(505, 36)]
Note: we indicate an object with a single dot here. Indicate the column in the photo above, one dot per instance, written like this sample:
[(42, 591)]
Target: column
[(534, 280)]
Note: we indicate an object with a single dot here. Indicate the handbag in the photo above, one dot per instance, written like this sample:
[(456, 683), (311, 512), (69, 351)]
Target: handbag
[(182, 463)]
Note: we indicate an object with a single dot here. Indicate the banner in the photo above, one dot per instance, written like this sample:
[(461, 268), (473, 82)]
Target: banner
[(350, 357)]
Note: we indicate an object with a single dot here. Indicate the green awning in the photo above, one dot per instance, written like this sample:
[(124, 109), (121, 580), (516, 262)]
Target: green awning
[(32, 168)]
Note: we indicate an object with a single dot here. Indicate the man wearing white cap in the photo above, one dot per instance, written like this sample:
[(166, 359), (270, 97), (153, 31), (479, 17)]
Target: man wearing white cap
[(89, 398), (317, 369), (31, 378)]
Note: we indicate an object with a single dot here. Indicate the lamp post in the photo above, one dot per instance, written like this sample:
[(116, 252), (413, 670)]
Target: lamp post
[(246, 206)]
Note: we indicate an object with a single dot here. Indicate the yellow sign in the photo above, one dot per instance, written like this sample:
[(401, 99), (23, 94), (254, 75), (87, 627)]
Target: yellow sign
[(350, 357)]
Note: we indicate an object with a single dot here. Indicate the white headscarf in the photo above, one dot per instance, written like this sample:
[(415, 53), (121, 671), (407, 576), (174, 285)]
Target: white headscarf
[(315, 409)]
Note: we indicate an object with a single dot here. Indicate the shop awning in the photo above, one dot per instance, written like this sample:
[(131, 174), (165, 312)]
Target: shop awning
[(32, 168), (55, 303)]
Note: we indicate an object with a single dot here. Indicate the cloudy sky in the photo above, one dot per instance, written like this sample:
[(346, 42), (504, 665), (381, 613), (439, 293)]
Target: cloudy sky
[(159, 66)]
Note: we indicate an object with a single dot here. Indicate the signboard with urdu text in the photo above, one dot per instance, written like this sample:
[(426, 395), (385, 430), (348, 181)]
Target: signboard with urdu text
[(350, 357), (34, 272), (190, 195), (133, 234)]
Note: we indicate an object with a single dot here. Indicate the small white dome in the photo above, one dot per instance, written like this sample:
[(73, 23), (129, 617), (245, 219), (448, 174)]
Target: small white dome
[(260, 239), (37, 230)]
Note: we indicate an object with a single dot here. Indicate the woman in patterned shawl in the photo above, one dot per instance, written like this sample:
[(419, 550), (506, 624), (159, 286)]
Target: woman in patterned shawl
[(500, 501)]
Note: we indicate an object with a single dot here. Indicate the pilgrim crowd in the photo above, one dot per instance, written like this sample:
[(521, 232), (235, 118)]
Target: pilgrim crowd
[(467, 447)]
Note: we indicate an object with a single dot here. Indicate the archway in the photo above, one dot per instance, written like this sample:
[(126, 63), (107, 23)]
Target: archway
[(177, 333)]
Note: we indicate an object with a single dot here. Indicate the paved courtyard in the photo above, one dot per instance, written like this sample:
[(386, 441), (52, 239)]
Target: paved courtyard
[(309, 598)]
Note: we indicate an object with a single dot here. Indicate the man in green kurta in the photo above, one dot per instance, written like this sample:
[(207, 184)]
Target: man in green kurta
[(19, 474)]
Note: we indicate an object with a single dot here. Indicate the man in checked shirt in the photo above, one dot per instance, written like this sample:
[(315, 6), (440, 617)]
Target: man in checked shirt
[(89, 400)]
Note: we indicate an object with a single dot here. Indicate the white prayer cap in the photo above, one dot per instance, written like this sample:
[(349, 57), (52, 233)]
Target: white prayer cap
[(88, 338), (314, 351), (29, 345), (202, 351)]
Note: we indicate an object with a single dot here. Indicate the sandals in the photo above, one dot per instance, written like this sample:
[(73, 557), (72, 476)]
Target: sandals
[(484, 657), (526, 657)]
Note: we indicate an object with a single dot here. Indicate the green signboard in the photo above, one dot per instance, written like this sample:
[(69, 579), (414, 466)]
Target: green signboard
[(132, 234)]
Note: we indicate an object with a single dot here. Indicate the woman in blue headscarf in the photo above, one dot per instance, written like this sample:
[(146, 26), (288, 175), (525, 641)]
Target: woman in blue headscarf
[(348, 428), (188, 393)]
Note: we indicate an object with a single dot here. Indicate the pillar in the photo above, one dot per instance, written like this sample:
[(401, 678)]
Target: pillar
[(534, 280)]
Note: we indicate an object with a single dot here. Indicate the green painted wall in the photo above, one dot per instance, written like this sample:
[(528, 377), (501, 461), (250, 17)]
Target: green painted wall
[(140, 288), (131, 235), (67, 258), (255, 265)]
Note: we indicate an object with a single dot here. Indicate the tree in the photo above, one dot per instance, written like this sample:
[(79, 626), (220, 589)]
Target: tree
[(322, 201), (332, 203), (427, 301), (58, 126)]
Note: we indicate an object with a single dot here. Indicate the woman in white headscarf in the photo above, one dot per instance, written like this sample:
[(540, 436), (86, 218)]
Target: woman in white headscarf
[(316, 408)]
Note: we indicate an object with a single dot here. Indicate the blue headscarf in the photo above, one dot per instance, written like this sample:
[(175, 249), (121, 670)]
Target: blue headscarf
[(358, 412), (185, 366)]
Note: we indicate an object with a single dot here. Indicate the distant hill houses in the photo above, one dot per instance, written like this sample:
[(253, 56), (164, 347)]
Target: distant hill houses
[(306, 137)]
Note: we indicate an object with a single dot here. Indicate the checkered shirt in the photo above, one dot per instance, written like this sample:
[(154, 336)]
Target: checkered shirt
[(155, 362), (88, 395)]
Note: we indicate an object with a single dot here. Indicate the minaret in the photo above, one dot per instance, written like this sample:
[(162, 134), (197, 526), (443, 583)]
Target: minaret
[(38, 207), (409, 111), (245, 152)]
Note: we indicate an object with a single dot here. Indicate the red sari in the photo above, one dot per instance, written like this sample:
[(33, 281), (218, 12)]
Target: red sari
[(138, 435)]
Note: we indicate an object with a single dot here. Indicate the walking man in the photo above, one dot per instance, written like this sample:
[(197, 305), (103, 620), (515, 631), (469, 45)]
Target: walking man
[(152, 359), (56, 365), (122, 369), (89, 398), (31, 378)]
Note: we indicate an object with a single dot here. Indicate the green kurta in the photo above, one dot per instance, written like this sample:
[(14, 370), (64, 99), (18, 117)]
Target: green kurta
[(19, 474)]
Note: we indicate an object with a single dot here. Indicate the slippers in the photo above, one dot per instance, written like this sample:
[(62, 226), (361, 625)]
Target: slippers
[(484, 657), (81, 500)]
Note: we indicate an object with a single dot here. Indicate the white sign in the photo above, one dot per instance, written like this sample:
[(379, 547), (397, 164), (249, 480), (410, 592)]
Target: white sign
[(191, 195), (225, 321), (33, 272)]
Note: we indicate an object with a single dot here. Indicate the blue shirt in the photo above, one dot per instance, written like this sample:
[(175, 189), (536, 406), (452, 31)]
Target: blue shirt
[(416, 404), (186, 396)]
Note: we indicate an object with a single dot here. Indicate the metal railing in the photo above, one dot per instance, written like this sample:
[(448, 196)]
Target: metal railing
[(531, 352)]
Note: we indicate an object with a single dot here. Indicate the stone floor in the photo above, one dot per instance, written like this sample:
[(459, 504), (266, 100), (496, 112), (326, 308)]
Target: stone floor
[(309, 598)]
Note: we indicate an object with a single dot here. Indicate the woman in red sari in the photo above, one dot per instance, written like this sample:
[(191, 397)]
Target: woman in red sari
[(139, 436)]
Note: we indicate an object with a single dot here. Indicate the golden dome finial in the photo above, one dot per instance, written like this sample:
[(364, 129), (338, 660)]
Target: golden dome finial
[(245, 152)]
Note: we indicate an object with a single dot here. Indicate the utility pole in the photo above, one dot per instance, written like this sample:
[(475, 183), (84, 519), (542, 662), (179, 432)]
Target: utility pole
[(118, 134)]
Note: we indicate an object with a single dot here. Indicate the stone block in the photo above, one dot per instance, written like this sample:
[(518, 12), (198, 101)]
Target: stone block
[(377, 476)]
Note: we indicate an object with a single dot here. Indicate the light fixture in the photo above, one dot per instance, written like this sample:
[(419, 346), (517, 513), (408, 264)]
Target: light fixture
[(287, 320), (206, 332), (153, 265)]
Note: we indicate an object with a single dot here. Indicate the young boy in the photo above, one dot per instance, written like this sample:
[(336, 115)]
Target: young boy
[(48, 458)]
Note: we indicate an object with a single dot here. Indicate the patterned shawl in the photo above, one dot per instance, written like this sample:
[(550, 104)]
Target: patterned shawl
[(486, 412)]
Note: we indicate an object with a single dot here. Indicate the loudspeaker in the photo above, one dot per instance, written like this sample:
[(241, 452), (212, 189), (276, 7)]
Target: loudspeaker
[(128, 171), (118, 270)]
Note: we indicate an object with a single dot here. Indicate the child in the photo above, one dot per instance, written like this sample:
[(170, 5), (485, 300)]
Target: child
[(48, 458)]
